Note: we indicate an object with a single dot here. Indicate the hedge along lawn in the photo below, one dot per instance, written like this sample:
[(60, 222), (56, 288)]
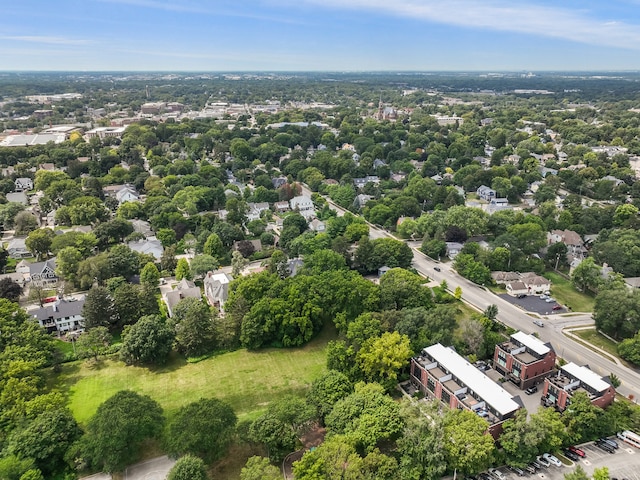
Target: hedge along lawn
[(566, 294), (248, 381)]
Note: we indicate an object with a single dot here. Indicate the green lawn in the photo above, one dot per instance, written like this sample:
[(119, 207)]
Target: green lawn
[(566, 294), (247, 380), (595, 338)]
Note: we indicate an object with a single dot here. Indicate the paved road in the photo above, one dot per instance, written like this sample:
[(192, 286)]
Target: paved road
[(514, 317)]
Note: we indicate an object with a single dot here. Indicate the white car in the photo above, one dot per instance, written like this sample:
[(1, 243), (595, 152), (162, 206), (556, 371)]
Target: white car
[(543, 461), (543, 297), (550, 300), (553, 460)]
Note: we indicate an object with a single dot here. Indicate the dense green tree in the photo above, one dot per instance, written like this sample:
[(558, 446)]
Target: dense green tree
[(368, 416), (93, 342), (204, 428), (118, 428), (150, 275), (201, 264), (10, 290), (468, 449), (583, 420), (188, 467), (338, 457), (194, 327), (99, 309), (381, 358), (259, 468), (421, 447), (38, 242), (13, 467), (148, 341), (327, 390), (123, 261), (183, 270), (434, 248), (617, 312), (25, 223), (577, 474), (46, 439), (400, 289), (214, 247), (587, 276), (67, 262)]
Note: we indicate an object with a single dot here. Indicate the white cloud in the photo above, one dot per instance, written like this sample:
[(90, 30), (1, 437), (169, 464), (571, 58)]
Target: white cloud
[(502, 15), (47, 40)]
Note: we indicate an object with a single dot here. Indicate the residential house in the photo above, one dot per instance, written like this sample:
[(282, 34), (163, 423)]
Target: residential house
[(255, 244), (361, 200), (317, 225), (505, 277), (398, 177), (294, 265), (122, 193), (544, 171), (485, 193), (453, 249), (17, 197), (302, 203), (610, 178), (184, 289), (43, 273), (22, 184), (148, 246), (362, 181), (517, 288), (571, 378), (278, 181), (378, 163), (535, 283), (142, 227), (573, 241), (281, 207), (61, 316), (17, 248), (524, 360), (216, 288), (255, 209), (442, 374)]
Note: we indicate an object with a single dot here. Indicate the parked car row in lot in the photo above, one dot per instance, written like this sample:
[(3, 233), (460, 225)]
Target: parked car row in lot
[(606, 444)]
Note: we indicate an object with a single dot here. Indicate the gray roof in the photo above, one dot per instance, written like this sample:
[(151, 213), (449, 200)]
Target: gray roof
[(59, 309), (38, 267)]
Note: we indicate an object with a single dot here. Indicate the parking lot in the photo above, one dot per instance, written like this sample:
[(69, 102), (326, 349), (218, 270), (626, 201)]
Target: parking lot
[(533, 303), (623, 464)]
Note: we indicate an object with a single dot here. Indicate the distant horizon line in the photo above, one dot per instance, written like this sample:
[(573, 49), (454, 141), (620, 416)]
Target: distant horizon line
[(267, 71)]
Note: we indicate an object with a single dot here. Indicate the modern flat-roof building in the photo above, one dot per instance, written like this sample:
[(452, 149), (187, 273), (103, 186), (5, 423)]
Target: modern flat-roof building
[(571, 378), (524, 359), (441, 373)]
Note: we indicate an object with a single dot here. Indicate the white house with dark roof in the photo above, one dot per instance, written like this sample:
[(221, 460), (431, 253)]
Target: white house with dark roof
[(43, 273), (61, 316), (486, 193), (23, 184)]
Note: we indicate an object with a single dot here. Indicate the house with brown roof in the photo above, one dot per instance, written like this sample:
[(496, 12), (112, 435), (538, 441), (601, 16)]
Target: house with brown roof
[(573, 241)]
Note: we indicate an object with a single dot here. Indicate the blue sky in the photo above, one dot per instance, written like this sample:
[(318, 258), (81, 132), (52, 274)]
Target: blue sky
[(300, 35)]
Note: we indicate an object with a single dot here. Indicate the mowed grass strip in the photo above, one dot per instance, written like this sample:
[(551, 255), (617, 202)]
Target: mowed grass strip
[(566, 294), (248, 381)]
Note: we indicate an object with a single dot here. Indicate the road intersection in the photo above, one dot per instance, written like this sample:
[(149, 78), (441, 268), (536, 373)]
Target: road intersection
[(512, 316)]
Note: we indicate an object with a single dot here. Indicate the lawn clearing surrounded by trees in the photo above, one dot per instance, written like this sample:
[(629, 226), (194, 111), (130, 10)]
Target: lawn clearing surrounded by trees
[(248, 381), (566, 294)]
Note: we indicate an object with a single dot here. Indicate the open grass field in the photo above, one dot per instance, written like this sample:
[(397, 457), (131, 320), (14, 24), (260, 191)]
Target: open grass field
[(246, 380), (566, 294)]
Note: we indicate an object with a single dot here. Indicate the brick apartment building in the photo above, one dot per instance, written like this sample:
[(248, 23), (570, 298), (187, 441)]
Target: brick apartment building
[(524, 359), (440, 373), (571, 378)]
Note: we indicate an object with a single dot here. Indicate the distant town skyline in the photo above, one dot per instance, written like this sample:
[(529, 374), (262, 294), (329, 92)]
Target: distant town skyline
[(317, 35)]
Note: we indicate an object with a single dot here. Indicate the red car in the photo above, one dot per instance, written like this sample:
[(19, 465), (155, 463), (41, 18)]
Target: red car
[(557, 307), (577, 451)]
